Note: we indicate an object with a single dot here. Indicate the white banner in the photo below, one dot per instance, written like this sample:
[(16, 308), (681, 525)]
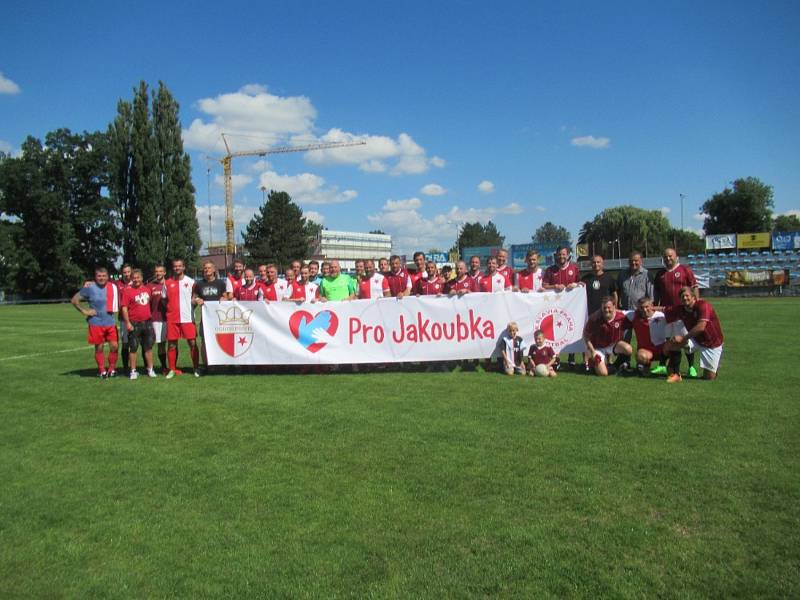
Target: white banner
[(386, 330), (722, 241)]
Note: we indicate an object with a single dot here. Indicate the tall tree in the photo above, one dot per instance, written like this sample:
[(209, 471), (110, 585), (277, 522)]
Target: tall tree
[(687, 242), (744, 208), (622, 229), (550, 233), (277, 233), (180, 230), (32, 195), (784, 223), (477, 234)]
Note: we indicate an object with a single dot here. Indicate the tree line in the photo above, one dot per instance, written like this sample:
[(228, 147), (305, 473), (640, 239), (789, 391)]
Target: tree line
[(78, 200)]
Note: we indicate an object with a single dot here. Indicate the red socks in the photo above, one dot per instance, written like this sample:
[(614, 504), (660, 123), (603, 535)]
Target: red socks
[(112, 361), (100, 359), (172, 358)]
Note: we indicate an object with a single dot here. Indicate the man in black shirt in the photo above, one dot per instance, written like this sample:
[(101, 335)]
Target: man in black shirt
[(598, 285), (208, 289)]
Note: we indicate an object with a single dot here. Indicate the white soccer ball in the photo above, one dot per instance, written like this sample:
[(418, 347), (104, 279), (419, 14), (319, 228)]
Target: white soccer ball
[(541, 370)]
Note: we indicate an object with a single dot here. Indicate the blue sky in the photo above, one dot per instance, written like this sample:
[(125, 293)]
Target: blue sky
[(519, 112)]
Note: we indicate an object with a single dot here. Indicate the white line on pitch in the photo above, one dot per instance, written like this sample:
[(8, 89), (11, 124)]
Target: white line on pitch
[(43, 353)]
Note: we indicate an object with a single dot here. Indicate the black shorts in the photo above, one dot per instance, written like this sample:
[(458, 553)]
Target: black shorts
[(142, 334)]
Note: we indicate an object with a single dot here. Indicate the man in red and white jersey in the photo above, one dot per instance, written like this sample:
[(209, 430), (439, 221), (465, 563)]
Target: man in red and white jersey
[(530, 279), (383, 266), (360, 270), (650, 326), (420, 271), (274, 288), (475, 271), (502, 265), (251, 290), (603, 335), (303, 290), (432, 285), (703, 334), (463, 283), (135, 309), (398, 279), (494, 281), (374, 284), (295, 268), (561, 276), (180, 317), (158, 312), (235, 278), (667, 286)]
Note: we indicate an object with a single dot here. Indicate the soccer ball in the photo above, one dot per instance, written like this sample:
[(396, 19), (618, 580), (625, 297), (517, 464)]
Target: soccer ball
[(541, 370)]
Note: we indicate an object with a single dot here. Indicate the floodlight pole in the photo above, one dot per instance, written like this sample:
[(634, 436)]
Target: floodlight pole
[(682, 197)]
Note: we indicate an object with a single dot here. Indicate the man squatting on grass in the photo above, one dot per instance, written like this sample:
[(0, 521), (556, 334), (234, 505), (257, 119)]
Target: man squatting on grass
[(167, 313)]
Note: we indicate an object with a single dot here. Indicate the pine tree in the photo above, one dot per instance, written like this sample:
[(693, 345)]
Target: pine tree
[(277, 233)]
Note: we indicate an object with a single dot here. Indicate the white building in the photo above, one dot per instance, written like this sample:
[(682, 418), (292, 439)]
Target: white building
[(347, 246)]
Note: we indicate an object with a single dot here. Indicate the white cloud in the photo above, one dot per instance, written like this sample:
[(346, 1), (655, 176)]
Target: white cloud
[(7, 86), (589, 141), (6, 148), (665, 210), (258, 120), (699, 216), (394, 205), (438, 162), (261, 165), (433, 189), (511, 209), (794, 212), (539, 208), (486, 187), (315, 216), (238, 181), (306, 188)]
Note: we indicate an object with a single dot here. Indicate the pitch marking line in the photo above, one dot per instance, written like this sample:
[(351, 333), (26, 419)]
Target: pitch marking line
[(43, 353)]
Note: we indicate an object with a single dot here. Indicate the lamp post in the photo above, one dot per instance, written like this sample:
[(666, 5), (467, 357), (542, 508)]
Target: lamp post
[(682, 197)]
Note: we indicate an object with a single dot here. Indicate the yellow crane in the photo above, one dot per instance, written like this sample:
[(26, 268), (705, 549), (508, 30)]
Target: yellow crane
[(230, 247)]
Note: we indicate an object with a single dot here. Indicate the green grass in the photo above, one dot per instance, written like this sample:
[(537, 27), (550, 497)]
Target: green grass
[(399, 484)]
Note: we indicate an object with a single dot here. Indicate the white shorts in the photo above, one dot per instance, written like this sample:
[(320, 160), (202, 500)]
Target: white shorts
[(160, 327), (601, 354), (709, 357)]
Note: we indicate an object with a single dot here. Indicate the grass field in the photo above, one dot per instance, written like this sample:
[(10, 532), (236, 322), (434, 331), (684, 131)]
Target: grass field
[(399, 484)]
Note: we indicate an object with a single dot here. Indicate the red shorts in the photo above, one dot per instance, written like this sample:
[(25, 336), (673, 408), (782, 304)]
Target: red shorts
[(99, 334), (176, 331)]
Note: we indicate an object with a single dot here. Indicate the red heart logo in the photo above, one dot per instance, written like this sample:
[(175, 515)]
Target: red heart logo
[(302, 325)]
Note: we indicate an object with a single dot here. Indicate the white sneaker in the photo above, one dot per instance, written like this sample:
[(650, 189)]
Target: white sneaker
[(151, 373), (196, 373), (134, 375), (170, 375)]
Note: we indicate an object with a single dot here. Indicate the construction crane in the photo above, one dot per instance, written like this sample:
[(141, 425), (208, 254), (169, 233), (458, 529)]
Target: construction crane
[(230, 247)]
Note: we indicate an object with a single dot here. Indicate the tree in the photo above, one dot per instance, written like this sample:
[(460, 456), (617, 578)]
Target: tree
[(277, 233), (551, 234), (378, 231), (785, 223), (476, 234), (619, 230), (745, 208), (687, 242)]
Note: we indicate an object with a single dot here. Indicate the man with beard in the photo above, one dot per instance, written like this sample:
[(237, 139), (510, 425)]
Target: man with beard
[(463, 283), (703, 335), (180, 318), (562, 276), (374, 284), (668, 284)]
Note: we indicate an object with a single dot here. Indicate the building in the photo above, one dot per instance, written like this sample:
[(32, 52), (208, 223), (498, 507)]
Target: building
[(347, 246)]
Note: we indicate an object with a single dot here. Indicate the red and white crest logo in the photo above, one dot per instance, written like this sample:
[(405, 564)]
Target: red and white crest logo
[(234, 334), (557, 325)]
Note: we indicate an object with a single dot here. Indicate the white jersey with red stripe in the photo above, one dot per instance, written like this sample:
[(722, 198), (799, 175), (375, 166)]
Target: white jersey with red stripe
[(528, 280), (275, 290), (178, 294), (496, 282), (304, 292), (374, 287)]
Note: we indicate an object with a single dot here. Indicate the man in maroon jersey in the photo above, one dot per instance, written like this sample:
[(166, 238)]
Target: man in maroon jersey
[(704, 334), (530, 279), (251, 290), (564, 275), (235, 278), (135, 308), (603, 336), (432, 285), (419, 268), (475, 271), (502, 265), (398, 279), (463, 283), (667, 286), (158, 313)]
